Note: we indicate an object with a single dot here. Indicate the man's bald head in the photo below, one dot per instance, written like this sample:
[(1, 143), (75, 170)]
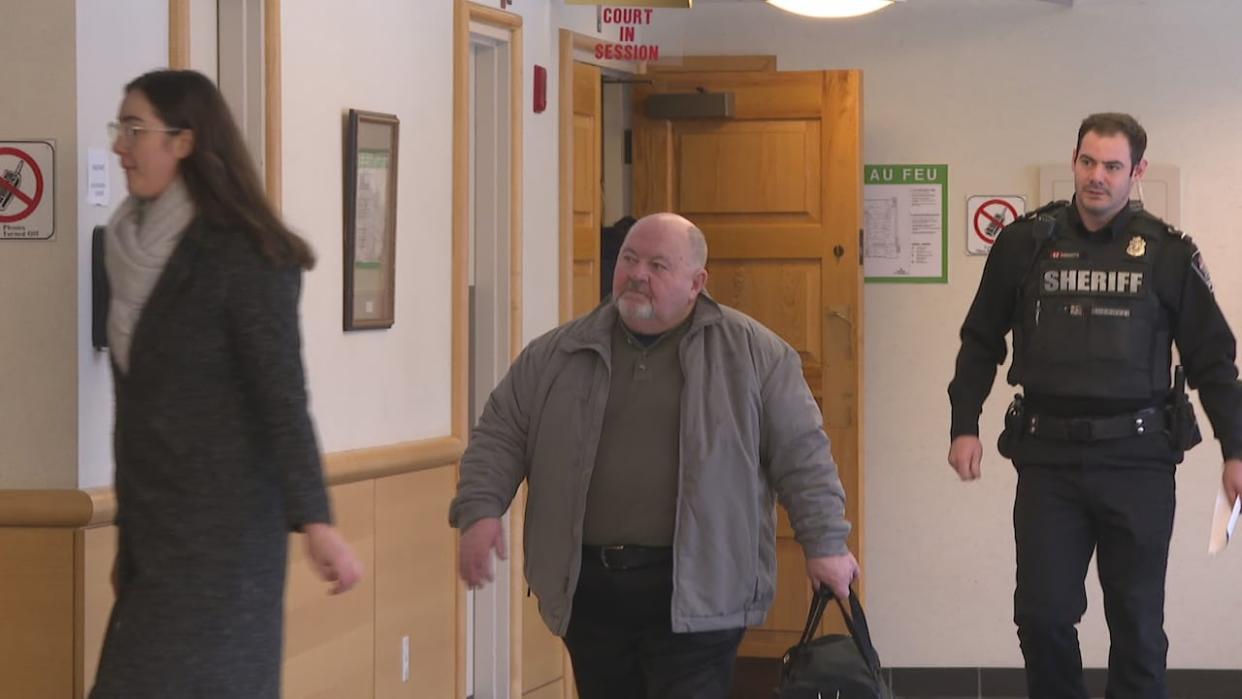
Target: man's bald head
[(659, 273), (671, 224)]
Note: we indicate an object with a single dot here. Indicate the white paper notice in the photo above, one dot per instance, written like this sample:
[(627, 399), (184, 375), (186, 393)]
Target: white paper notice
[(904, 223), (371, 231), (97, 177), (1223, 520)]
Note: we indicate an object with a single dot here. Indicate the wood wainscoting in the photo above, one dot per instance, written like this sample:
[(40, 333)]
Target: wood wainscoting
[(391, 504)]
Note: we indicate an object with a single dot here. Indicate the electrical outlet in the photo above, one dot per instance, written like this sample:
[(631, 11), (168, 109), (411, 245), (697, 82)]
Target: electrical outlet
[(405, 659)]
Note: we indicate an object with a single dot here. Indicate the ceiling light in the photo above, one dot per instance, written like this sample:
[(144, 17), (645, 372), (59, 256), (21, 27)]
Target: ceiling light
[(831, 8)]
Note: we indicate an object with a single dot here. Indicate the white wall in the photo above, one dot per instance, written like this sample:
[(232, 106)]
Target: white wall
[(204, 35), (382, 386), (377, 387), (38, 421), (104, 66), (539, 172), (372, 387), (542, 21), (994, 88)]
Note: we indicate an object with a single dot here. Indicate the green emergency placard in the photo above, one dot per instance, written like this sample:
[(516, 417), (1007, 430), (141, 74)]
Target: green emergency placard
[(905, 223)]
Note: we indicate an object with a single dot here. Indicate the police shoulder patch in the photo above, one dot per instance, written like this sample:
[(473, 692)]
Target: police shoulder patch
[(1200, 268)]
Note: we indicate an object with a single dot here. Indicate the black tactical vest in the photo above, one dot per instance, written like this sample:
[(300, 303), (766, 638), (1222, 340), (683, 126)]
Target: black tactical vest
[(1089, 321)]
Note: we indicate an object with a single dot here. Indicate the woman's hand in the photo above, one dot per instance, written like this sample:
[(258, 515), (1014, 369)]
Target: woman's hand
[(331, 557)]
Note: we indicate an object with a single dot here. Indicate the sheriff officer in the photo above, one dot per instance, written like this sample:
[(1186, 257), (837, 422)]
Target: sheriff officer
[(1095, 291)]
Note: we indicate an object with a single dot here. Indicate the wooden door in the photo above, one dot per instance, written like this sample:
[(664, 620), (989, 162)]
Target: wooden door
[(777, 189), (588, 194)]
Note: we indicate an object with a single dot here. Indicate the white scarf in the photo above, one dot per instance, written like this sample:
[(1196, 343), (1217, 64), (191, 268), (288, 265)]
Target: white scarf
[(141, 237)]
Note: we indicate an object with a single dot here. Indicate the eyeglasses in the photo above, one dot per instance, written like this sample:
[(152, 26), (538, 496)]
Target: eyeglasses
[(127, 132)]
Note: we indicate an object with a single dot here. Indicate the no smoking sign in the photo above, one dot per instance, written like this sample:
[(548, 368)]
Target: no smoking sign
[(986, 216), (27, 182)]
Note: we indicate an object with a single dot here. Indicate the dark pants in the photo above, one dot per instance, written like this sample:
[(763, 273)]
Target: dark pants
[(622, 645), (1061, 515)]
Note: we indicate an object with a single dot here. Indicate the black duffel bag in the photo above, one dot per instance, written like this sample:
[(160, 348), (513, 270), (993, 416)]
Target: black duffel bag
[(833, 666)]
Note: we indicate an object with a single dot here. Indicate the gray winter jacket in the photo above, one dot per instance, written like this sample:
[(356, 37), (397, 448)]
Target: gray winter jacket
[(750, 431)]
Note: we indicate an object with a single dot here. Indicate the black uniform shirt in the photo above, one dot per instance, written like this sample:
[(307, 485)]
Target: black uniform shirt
[(1202, 335)]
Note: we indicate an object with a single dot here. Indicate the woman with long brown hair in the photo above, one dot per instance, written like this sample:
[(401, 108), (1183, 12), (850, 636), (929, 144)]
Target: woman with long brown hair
[(216, 455)]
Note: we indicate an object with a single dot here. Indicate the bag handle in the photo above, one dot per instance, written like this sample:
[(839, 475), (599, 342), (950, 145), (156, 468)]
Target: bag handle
[(855, 622)]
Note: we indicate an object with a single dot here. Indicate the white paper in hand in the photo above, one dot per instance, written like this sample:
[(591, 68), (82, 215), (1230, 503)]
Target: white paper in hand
[(1223, 521)]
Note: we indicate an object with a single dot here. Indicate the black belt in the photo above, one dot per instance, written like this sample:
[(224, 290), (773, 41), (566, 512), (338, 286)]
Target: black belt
[(628, 557), (1094, 429)]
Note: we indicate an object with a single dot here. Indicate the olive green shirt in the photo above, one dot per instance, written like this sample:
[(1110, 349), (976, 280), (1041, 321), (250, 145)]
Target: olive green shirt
[(632, 498)]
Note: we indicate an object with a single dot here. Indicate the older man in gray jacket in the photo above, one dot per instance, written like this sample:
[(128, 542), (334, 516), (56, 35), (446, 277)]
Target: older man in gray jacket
[(655, 433)]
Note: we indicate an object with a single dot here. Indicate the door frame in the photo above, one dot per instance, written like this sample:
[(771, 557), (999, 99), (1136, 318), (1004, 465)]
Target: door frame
[(491, 56), (574, 47), (464, 14), (179, 58)]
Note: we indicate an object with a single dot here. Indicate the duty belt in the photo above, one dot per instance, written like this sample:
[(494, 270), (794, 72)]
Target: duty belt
[(1095, 429)]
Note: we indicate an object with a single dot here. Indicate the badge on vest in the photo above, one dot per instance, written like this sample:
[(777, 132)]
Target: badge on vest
[(1137, 247)]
